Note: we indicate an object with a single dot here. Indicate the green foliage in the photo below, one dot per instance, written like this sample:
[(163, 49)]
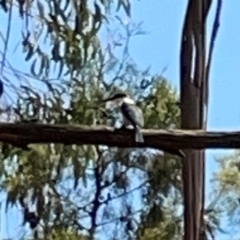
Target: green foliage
[(227, 188), (71, 27), (166, 223), (80, 190), (160, 106)]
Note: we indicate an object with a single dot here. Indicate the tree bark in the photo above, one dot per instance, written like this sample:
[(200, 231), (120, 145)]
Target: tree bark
[(28, 133), (194, 105)]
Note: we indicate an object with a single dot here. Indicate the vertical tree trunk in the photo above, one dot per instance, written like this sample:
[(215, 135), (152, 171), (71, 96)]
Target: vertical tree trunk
[(193, 92)]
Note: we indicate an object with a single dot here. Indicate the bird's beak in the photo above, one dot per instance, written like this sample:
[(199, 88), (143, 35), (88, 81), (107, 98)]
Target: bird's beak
[(106, 100), (109, 103)]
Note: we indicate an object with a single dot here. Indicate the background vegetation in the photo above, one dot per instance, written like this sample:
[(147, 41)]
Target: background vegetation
[(76, 54)]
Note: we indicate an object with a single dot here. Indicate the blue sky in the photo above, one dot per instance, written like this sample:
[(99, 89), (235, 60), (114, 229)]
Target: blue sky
[(160, 48)]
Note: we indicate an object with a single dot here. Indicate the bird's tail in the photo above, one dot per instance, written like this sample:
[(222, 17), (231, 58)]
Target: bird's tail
[(138, 135)]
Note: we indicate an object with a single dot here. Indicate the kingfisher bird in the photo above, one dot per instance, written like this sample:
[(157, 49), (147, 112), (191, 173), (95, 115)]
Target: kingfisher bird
[(132, 114)]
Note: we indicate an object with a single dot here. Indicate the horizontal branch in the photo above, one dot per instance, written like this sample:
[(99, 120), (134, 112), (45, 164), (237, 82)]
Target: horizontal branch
[(22, 134)]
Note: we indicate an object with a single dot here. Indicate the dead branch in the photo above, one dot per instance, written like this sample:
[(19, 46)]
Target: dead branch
[(22, 134)]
